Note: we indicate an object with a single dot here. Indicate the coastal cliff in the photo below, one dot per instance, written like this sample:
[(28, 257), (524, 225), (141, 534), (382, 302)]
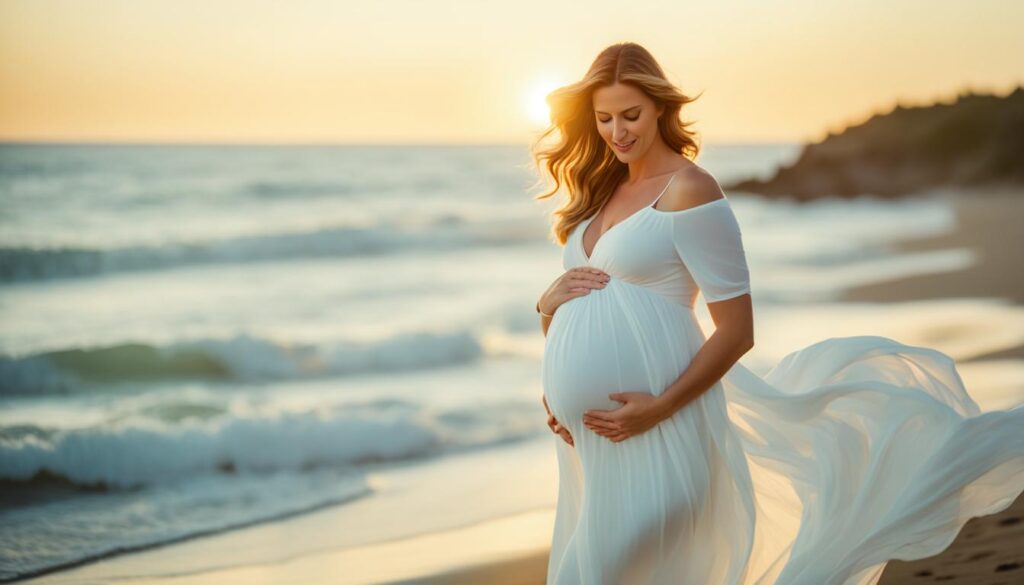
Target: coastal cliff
[(976, 140)]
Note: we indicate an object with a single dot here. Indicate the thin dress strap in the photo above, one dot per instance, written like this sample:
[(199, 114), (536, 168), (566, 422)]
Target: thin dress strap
[(658, 198)]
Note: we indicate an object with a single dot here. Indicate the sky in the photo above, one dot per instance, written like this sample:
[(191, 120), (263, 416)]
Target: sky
[(476, 71)]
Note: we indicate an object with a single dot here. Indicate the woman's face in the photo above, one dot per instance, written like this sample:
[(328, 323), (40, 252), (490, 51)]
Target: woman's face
[(627, 120)]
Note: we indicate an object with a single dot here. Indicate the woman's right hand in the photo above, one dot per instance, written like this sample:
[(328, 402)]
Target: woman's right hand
[(575, 282), (555, 426)]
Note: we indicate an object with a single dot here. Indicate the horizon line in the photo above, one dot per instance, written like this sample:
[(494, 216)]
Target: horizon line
[(157, 142)]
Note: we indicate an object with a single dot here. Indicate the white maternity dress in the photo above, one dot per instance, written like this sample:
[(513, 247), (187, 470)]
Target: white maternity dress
[(848, 453)]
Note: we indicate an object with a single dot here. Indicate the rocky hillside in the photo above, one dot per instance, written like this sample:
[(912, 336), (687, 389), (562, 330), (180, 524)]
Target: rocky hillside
[(977, 140)]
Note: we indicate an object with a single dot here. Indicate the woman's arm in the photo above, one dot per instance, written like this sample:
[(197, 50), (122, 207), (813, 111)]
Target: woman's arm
[(733, 337), (710, 243), (545, 321)]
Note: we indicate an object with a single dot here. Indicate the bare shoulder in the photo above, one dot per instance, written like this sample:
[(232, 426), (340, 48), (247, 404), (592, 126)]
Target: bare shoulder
[(692, 186)]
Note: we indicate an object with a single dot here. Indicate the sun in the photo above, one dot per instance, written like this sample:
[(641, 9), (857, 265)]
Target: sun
[(534, 100)]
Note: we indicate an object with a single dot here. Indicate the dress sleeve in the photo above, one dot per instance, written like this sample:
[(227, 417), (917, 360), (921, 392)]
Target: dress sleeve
[(709, 242)]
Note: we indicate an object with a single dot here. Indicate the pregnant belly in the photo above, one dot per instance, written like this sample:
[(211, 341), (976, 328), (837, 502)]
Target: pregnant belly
[(622, 338)]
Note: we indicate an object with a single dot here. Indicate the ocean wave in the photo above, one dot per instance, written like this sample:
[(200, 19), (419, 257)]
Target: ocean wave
[(22, 264), (142, 451), (99, 526), (242, 358), (296, 188)]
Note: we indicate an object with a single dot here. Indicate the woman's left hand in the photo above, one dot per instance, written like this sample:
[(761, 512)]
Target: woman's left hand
[(639, 412)]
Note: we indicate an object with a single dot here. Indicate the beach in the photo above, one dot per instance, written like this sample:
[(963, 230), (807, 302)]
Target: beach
[(268, 282), (479, 545)]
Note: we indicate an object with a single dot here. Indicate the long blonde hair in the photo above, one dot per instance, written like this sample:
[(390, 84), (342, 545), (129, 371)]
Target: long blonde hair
[(579, 159)]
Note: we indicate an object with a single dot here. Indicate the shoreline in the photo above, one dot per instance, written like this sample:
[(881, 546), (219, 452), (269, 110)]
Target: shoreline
[(988, 222), (476, 520)]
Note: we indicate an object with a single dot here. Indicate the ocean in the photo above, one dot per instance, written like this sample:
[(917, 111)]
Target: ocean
[(195, 339)]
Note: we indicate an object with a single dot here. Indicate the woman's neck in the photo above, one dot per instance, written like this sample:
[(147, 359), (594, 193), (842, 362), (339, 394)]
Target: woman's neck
[(658, 160)]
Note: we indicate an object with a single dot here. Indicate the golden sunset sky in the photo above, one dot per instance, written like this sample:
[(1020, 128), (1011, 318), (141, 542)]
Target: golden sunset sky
[(475, 71)]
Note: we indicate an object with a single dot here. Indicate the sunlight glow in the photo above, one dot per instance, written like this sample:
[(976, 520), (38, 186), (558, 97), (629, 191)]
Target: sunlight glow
[(534, 100)]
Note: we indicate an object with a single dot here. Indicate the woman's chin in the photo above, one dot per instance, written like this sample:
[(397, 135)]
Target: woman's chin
[(628, 156)]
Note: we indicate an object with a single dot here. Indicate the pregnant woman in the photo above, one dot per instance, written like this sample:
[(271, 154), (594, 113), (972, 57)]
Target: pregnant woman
[(676, 463)]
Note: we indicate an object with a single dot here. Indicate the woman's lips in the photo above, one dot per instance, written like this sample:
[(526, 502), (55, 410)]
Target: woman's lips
[(624, 147)]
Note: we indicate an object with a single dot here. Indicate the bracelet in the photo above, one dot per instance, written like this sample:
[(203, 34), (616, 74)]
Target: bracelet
[(542, 313)]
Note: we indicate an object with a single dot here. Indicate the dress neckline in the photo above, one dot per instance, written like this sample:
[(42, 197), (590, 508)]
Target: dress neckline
[(582, 227), (671, 213), (618, 223)]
